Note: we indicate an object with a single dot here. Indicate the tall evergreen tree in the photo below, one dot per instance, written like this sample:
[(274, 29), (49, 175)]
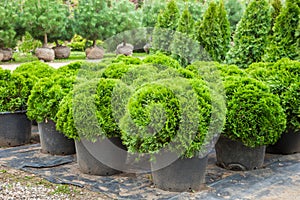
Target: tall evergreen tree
[(250, 39), (235, 11), (209, 33), (183, 46), (165, 27), (276, 8), (283, 42), (225, 30)]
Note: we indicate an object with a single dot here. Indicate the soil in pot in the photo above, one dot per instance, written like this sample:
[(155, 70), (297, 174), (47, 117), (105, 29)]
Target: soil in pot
[(45, 54), (288, 143), (54, 142), (103, 157), (15, 129), (184, 174), (234, 155), (94, 53), (7, 54), (62, 52)]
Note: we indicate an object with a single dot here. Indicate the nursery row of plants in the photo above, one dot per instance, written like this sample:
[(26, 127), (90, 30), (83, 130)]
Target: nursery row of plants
[(144, 106), (229, 31)]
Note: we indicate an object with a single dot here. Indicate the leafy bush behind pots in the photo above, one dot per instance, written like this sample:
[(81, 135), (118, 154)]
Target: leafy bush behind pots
[(13, 92), (255, 116)]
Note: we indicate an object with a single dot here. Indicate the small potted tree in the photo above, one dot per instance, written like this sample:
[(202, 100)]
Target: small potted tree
[(15, 128), (43, 105), (11, 29), (45, 20), (254, 119), (283, 78)]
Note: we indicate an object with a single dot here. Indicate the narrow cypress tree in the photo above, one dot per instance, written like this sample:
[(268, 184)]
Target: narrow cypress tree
[(209, 33), (276, 8), (283, 42), (225, 30), (183, 46), (250, 39), (165, 27)]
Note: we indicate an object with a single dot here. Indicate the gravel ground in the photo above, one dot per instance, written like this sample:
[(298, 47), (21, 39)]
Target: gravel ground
[(16, 184), (52, 64)]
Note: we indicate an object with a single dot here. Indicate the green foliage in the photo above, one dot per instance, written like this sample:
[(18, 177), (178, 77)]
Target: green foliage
[(183, 47), (46, 19), (235, 11), (285, 41), (151, 8), (155, 114), (104, 111), (96, 19), (291, 104), (225, 29), (33, 72), (283, 78), (78, 43), (276, 9), (8, 22), (250, 39), (165, 26), (65, 121), (28, 43), (230, 70), (48, 92), (254, 117), (162, 60), (13, 92), (213, 32)]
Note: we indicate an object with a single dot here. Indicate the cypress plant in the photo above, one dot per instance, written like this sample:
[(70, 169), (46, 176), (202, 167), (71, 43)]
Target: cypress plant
[(225, 30), (209, 33), (250, 39), (165, 27), (283, 42), (276, 8), (183, 46)]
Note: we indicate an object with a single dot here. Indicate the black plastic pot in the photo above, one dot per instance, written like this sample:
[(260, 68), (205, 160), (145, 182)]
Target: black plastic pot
[(288, 143), (54, 142), (185, 174), (101, 157), (234, 155), (15, 129)]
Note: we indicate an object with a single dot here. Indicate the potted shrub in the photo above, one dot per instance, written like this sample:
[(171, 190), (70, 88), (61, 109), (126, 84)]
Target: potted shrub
[(91, 95), (11, 29), (254, 119), (283, 78), (95, 155), (46, 21), (156, 120), (43, 105), (15, 128)]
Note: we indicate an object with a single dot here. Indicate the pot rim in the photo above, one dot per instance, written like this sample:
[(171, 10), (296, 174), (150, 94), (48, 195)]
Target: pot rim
[(13, 112)]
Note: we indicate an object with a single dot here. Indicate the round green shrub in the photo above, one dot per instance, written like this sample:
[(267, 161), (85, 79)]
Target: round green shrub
[(46, 95), (33, 71), (163, 60), (254, 117), (282, 77), (13, 92), (154, 116)]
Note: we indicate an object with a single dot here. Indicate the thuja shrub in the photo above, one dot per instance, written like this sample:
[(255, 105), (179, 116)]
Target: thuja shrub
[(13, 92), (283, 42), (34, 71), (250, 39), (163, 60)]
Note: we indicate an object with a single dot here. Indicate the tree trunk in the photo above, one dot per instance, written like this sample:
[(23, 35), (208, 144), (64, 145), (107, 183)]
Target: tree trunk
[(45, 40), (94, 43)]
